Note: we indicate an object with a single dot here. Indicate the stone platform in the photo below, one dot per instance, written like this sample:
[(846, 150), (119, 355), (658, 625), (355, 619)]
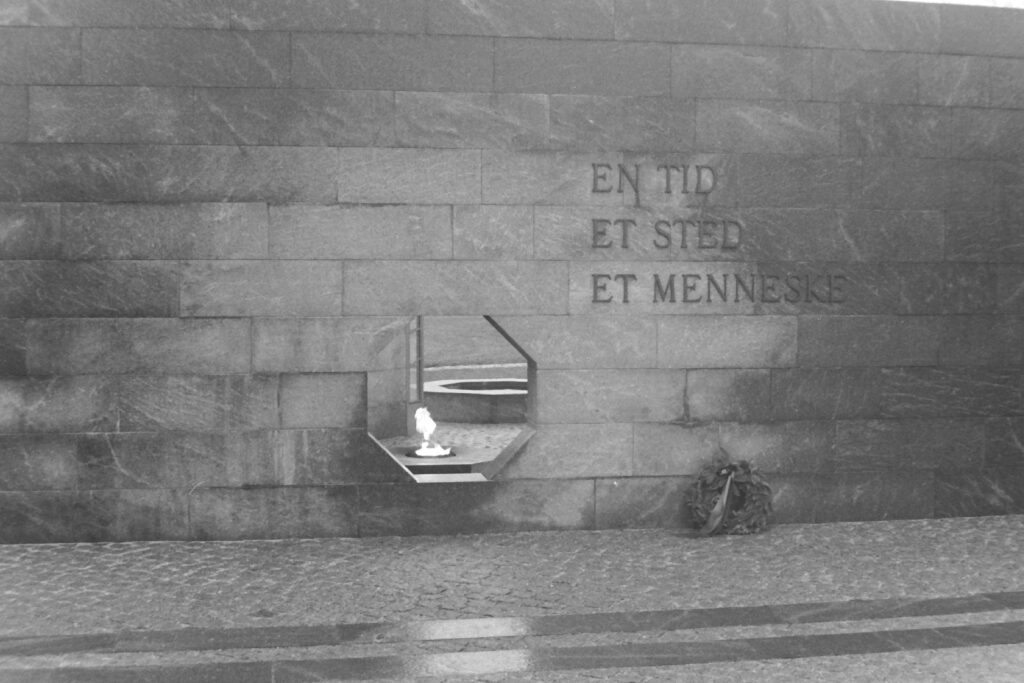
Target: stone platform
[(915, 600)]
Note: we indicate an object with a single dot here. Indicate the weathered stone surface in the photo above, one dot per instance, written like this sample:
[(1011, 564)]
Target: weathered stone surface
[(882, 235), (988, 133), (903, 183), (584, 67), (741, 395), (878, 77), (981, 236), (13, 113), (307, 117), (493, 232), (1004, 442), (29, 231), (982, 340), (471, 120), (261, 288), (58, 405), (827, 394), (901, 27), (38, 56), (468, 340), (909, 444), (162, 346), (762, 22), (769, 181), (323, 400), (386, 16), (455, 288), (548, 178), (869, 340), (112, 114), (641, 502), (279, 512), (327, 344), (1007, 83), (768, 127), (129, 13), (1010, 294), (861, 496), (673, 449), (192, 403), (163, 57), (163, 231), (528, 18), (95, 289), (584, 341), (991, 491), (591, 122), (736, 72), (727, 342), (392, 62), (975, 184), (952, 392), (14, 13), (411, 176), (328, 457), (989, 31), (584, 396), (562, 451), (893, 130), (799, 446), (529, 505), (956, 80), (360, 232), (12, 348), (37, 462)]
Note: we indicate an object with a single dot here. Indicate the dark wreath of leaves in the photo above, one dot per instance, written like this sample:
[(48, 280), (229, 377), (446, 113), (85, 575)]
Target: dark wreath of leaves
[(746, 507)]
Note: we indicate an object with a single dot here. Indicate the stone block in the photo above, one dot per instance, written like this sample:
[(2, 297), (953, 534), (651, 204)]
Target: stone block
[(274, 116), (726, 341), (471, 120), (763, 127), (14, 13), (988, 134), (308, 457), (825, 393), (96, 289), (975, 184), (550, 178), (392, 62), (1010, 292), (974, 31), (568, 451), (492, 232), (869, 340), (739, 395), (874, 77), (642, 502), (590, 122), (467, 340), (323, 400), (30, 231), (300, 231), (327, 344), (37, 462), (386, 16), (979, 236), (506, 506), (903, 183), (163, 231), (455, 288), (790, 447), (408, 176), (951, 392), (739, 72), (39, 56), (261, 288), (899, 27), (589, 396), (955, 80), (990, 491), (92, 516), (895, 130), (584, 341), (184, 57), (162, 346), (1004, 442), (12, 348), (982, 340), (13, 113), (58, 405), (864, 496), (530, 18), (167, 173), (229, 514), (909, 444), (1007, 86), (130, 13), (779, 181), (884, 235), (149, 403), (762, 22), (673, 449), (584, 67), (81, 114)]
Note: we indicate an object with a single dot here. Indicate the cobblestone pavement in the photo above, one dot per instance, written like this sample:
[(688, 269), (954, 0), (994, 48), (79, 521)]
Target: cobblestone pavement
[(267, 587)]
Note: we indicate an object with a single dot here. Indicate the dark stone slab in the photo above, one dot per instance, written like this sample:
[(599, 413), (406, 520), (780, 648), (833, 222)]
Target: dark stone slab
[(14, 14), (163, 57), (904, 183), (951, 80), (12, 348), (129, 13), (780, 181), (741, 395), (193, 403), (791, 447), (1004, 442), (261, 288), (327, 344), (585, 67), (979, 236), (952, 392), (740, 72), (1007, 83), (58, 405), (951, 444), (585, 396), (529, 19), (308, 457), (37, 462), (982, 340), (877, 77), (989, 491), (276, 512), (408, 176), (592, 122), (493, 232), (825, 393), (523, 505), (883, 235), (727, 341), (869, 340), (385, 16), (39, 56), (988, 134), (13, 113), (1010, 292), (974, 31), (895, 130), (640, 502), (673, 449), (471, 120), (546, 178), (900, 27), (862, 496), (762, 127), (762, 22), (323, 400), (977, 185), (584, 341), (566, 451), (392, 62)]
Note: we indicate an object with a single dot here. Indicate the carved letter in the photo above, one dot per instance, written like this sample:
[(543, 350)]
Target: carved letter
[(634, 181), (836, 295), (600, 174), (600, 287), (768, 284), (668, 291), (664, 230), (731, 238), (706, 236), (625, 224), (599, 227), (793, 282), (748, 288), (705, 172), (625, 280), (722, 289), (690, 287), (668, 177)]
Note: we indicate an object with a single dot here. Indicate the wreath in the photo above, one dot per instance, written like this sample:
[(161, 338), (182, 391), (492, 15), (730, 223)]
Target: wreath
[(730, 498)]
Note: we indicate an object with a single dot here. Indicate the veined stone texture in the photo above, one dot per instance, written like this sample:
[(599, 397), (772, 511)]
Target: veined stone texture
[(787, 230)]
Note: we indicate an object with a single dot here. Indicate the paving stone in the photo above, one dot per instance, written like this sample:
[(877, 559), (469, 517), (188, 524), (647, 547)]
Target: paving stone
[(39, 56), (531, 18)]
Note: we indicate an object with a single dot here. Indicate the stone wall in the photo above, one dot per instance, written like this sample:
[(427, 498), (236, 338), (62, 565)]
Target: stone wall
[(793, 229)]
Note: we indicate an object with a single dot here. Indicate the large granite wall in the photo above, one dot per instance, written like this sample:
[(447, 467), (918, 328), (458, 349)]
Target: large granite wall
[(217, 214)]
